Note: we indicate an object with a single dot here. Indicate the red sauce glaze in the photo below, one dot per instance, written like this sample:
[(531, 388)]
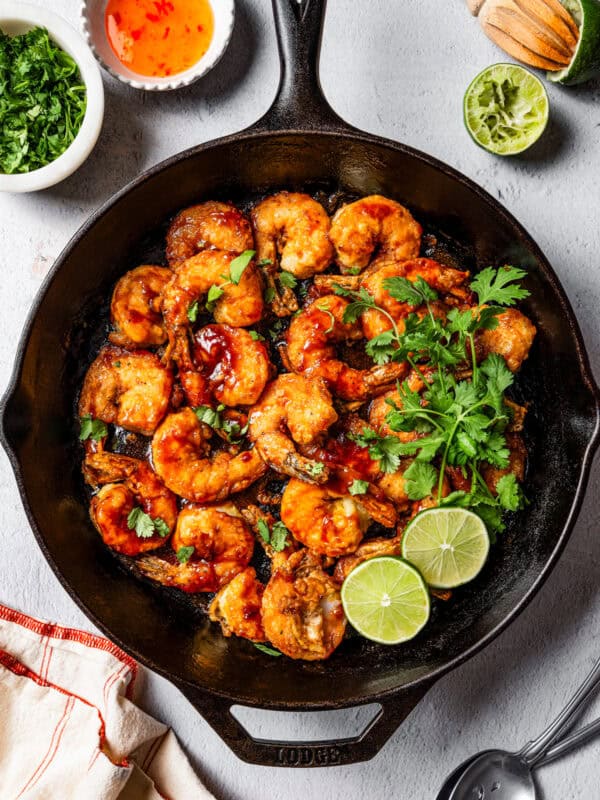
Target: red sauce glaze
[(377, 210), (215, 354)]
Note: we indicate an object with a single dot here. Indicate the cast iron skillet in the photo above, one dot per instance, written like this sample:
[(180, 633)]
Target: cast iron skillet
[(299, 143)]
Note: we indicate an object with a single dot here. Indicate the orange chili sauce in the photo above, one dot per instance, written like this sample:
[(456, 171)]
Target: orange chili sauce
[(158, 38)]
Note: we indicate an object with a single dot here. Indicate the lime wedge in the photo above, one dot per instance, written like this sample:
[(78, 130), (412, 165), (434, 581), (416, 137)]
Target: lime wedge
[(585, 63), (386, 600), (448, 546), (505, 109)]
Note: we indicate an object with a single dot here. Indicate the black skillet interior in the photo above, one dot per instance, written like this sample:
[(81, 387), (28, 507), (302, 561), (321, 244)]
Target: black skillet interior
[(172, 637)]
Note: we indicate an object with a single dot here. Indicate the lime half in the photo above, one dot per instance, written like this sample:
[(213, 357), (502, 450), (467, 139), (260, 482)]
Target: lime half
[(386, 600), (506, 109), (448, 546), (585, 63)]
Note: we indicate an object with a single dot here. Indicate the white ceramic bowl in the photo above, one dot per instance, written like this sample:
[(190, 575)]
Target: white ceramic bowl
[(18, 18), (93, 26)]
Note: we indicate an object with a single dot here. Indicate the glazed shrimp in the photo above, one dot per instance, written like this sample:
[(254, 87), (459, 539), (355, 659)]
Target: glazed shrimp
[(291, 231), (512, 338), (302, 612), (311, 349), (132, 390), (372, 226), (128, 483), (222, 546), (182, 457), (237, 607), (326, 520), (210, 225), (445, 280), (240, 304), (135, 307), (231, 367), (292, 409)]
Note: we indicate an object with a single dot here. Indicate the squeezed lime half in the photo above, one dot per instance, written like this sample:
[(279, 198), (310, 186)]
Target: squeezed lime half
[(506, 109), (386, 600), (449, 546), (585, 63)]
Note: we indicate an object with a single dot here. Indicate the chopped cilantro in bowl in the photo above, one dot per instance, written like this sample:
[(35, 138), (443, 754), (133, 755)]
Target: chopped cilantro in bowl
[(42, 101), (51, 98)]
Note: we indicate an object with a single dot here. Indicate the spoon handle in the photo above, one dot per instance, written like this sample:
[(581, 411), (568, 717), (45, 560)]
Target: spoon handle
[(534, 750), (570, 743)]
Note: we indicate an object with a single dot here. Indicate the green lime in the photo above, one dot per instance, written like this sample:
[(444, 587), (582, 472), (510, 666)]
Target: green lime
[(448, 546), (386, 600), (505, 109), (585, 64)]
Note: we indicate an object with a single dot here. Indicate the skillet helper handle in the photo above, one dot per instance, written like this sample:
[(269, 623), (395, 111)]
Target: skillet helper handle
[(269, 753), (299, 103)]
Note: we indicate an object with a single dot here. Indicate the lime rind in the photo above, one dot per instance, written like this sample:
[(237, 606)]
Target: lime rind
[(505, 109), (386, 600), (585, 63), (449, 546)]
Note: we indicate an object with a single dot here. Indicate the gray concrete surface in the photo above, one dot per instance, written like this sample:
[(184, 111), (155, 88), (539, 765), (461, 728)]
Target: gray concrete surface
[(398, 68)]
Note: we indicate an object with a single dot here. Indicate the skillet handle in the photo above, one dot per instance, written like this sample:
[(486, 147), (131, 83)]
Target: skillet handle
[(299, 103), (268, 753)]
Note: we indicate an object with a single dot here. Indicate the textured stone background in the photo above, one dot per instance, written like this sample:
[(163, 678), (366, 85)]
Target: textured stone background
[(398, 69)]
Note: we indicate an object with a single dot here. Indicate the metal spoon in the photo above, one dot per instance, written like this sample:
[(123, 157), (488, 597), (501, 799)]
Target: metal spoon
[(501, 775)]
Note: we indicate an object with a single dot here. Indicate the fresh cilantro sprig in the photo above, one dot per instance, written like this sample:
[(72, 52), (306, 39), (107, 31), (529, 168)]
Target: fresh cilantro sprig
[(146, 526), (213, 417), (184, 554), (276, 536)]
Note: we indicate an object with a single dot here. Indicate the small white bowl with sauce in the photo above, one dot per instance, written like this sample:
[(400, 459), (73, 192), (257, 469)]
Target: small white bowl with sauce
[(94, 25), (17, 18)]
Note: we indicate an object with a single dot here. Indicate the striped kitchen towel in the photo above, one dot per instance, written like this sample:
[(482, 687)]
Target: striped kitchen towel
[(68, 726)]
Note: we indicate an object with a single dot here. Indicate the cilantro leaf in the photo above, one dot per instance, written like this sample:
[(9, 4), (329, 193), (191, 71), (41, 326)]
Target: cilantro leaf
[(269, 651), (276, 536), (353, 271), (144, 525), (256, 336), (265, 262), (238, 265), (92, 428), (214, 418), (287, 279), (419, 480), (184, 554), (269, 294), (510, 494), (315, 468), (498, 286), (358, 487), (214, 293), (192, 312), (415, 293), (382, 347)]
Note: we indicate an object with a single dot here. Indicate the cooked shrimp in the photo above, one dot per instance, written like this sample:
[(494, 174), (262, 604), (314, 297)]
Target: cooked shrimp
[(292, 409), (222, 547), (135, 307), (214, 225), (128, 483), (445, 280), (231, 367), (512, 339), (237, 607), (302, 612), (291, 231), (369, 549), (132, 390), (311, 349), (372, 226), (182, 458), (325, 521)]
